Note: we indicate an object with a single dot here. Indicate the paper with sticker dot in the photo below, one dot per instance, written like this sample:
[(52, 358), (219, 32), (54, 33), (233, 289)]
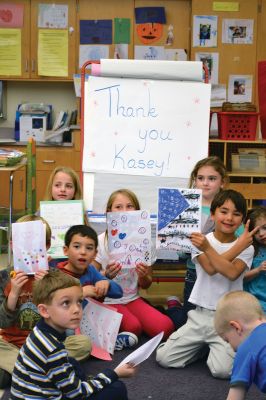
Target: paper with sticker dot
[(29, 246), (129, 237), (101, 323), (179, 214)]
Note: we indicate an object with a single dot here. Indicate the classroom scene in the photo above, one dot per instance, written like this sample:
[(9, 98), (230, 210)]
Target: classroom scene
[(132, 258)]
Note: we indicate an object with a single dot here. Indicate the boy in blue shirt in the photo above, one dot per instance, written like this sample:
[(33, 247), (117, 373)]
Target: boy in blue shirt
[(81, 243), (239, 320)]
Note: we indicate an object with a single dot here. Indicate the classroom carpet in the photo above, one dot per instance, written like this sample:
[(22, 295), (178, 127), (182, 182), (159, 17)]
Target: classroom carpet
[(155, 383)]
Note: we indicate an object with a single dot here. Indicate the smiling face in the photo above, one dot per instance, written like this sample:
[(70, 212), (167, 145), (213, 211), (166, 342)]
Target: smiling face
[(65, 310), (227, 219), (210, 182), (63, 187), (80, 252), (149, 32)]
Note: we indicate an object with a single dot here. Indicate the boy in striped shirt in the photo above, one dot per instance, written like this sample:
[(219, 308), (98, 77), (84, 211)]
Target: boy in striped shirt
[(43, 369)]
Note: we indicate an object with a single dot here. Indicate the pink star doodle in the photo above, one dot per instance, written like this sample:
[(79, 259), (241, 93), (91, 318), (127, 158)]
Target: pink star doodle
[(188, 124), (196, 100), (93, 154), (95, 103)]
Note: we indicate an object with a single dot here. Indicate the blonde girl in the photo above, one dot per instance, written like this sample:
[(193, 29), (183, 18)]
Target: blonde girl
[(255, 279), (209, 175), (138, 316), (63, 184)]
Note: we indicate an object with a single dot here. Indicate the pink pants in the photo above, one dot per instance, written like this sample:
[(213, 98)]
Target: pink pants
[(138, 317)]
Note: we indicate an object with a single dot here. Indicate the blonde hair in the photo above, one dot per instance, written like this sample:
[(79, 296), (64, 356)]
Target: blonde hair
[(44, 289), (235, 306), (76, 182), (125, 192), (212, 161), (33, 217)]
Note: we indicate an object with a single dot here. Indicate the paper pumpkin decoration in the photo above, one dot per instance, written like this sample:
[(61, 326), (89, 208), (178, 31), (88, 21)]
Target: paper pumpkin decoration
[(149, 32)]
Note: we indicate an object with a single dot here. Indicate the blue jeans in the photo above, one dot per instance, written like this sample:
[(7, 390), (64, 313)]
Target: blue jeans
[(179, 315)]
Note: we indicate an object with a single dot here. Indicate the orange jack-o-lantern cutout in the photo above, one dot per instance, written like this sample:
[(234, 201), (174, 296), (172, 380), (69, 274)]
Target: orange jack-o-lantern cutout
[(149, 32)]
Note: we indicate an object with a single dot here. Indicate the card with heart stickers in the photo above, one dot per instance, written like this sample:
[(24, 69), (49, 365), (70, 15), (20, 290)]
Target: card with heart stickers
[(129, 237)]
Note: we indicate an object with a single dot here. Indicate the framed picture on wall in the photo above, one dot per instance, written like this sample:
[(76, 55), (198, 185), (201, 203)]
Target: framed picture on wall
[(205, 31), (240, 88), (237, 31)]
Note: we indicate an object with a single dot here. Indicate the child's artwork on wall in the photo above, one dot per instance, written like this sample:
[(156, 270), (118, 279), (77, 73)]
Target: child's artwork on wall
[(101, 323), (61, 215), (121, 51), (179, 214), (240, 88), (29, 246), (129, 237), (237, 31), (95, 31), (211, 61), (92, 52), (175, 54), (149, 23), (122, 30), (53, 16), (205, 31), (149, 53)]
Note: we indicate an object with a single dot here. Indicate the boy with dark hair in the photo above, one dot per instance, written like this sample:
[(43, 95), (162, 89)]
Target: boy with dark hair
[(43, 369), (240, 321), (220, 263), (81, 248), (18, 314)]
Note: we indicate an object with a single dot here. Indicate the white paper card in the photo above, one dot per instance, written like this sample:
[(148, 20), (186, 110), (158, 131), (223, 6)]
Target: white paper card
[(29, 246), (129, 237), (61, 215), (143, 352), (101, 324)]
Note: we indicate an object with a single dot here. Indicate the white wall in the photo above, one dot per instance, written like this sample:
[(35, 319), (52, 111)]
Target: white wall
[(60, 94)]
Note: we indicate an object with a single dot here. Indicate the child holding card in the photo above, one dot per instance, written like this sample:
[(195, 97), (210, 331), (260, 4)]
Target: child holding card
[(18, 315), (138, 316)]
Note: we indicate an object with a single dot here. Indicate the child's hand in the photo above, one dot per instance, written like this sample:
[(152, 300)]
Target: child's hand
[(246, 239), (102, 287), (112, 270), (199, 240), (40, 274), (17, 282), (89, 291), (142, 270), (262, 267), (126, 370)]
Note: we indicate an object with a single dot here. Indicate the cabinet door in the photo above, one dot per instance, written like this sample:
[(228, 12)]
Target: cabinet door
[(19, 189), (71, 37), (23, 45)]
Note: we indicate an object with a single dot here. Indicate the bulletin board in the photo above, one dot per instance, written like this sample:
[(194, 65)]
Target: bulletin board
[(140, 133)]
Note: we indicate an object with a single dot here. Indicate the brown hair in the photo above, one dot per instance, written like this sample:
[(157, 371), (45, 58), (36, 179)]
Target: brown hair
[(212, 161), (76, 182), (45, 288), (126, 192), (253, 215), (33, 217)]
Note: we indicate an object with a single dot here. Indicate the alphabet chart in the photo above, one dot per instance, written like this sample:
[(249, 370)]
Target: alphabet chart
[(179, 214), (29, 246), (129, 237)]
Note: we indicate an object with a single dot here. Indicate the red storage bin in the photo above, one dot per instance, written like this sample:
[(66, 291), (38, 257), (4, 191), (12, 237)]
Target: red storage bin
[(237, 125)]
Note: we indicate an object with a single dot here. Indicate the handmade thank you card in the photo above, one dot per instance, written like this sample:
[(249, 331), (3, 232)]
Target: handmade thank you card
[(61, 215), (179, 214), (101, 323), (29, 246), (129, 237)]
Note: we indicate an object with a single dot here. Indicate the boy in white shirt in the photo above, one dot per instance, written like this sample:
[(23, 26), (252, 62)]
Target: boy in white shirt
[(221, 263)]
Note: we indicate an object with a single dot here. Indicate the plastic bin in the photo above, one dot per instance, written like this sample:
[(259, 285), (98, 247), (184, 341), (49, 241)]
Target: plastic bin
[(254, 163), (237, 125)]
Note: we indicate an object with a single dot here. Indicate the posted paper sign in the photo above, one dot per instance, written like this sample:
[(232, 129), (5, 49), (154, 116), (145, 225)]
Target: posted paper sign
[(61, 215), (101, 323), (129, 237), (179, 214), (29, 246)]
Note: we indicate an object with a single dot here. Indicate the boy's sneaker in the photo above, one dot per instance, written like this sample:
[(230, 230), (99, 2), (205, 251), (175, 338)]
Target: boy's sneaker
[(173, 301), (125, 340)]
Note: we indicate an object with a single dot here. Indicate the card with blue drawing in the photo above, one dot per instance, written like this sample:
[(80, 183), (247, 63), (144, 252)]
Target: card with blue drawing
[(61, 215), (179, 214), (129, 237), (29, 246)]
